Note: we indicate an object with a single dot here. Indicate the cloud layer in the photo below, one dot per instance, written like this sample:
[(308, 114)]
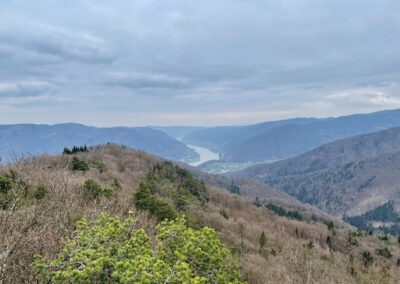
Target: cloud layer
[(196, 62)]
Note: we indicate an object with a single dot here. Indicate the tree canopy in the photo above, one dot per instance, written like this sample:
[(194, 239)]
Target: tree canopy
[(105, 251)]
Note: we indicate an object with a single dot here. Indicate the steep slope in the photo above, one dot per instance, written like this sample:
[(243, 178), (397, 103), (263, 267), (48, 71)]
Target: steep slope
[(333, 154), (293, 251), (39, 139), (349, 176), (291, 140), (252, 190), (352, 189)]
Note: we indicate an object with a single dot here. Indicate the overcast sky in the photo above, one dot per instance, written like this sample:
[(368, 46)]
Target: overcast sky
[(216, 62)]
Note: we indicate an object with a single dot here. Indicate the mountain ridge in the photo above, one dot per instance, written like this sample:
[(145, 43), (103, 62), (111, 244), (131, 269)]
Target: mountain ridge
[(42, 138), (345, 177), (288, 138)]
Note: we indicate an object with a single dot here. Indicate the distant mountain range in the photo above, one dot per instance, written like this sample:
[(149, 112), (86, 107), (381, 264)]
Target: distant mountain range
[(346, 177), (222, 137), (287, 138), (177, 132), (38, 139)]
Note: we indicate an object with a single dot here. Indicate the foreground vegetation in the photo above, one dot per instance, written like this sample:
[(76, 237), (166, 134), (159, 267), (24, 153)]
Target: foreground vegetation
[(105, 251), (55, 211)]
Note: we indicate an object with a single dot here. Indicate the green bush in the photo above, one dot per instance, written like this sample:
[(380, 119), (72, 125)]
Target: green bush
[(233, 188), (329, 241), (190, 222), (145, 200), (257, 202), (108, 193), (224, 214), (384, 252), (331, 226), (5, 187), (367, 258), (351, 238), (282, 212), (91, 189), (277, 209), (294, 215), (99, 165), (180, 178), (106, 251), (181, 199), (5, 183), (41, 192), (116, 185), (79, 165), (13, 190), (262, 240)]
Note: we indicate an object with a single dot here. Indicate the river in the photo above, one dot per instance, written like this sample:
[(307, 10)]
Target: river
[(205, 155)]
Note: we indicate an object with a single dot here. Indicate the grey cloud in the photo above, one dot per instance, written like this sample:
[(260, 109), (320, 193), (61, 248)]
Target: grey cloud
[(45, 38), (24, 89), (228, 56), (146, 80)]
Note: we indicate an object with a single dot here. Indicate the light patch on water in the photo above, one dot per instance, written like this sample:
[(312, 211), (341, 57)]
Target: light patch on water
[(205, 155)]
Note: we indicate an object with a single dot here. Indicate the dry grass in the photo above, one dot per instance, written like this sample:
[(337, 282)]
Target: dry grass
[(38, 227)]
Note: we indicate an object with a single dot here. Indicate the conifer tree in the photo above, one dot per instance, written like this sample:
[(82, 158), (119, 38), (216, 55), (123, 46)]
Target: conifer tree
[(262, 241)]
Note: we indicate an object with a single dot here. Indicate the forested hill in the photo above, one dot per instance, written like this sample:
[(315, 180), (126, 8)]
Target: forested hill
[(346, 177), (287, 138), (112, 214), (333, 154), (38, 139)]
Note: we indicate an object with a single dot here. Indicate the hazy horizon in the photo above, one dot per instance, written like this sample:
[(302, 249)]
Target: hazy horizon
[(188, 125)]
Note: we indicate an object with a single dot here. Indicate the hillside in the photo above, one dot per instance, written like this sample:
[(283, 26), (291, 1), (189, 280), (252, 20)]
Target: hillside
[(346, 177), (46, 195), (351, 189), (38, 139), (217, 138), (292, 140), (253, 190), (288, 138), (333, 154)]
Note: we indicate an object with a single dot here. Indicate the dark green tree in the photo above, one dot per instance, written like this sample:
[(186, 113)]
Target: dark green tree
[(367, 258), (41, 192), (257, 202), (67, 151), (145, 200), (331, 226), (224, 214), (91, 189), (262, 240), (79, 165), (233, 188), (329, 242)]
